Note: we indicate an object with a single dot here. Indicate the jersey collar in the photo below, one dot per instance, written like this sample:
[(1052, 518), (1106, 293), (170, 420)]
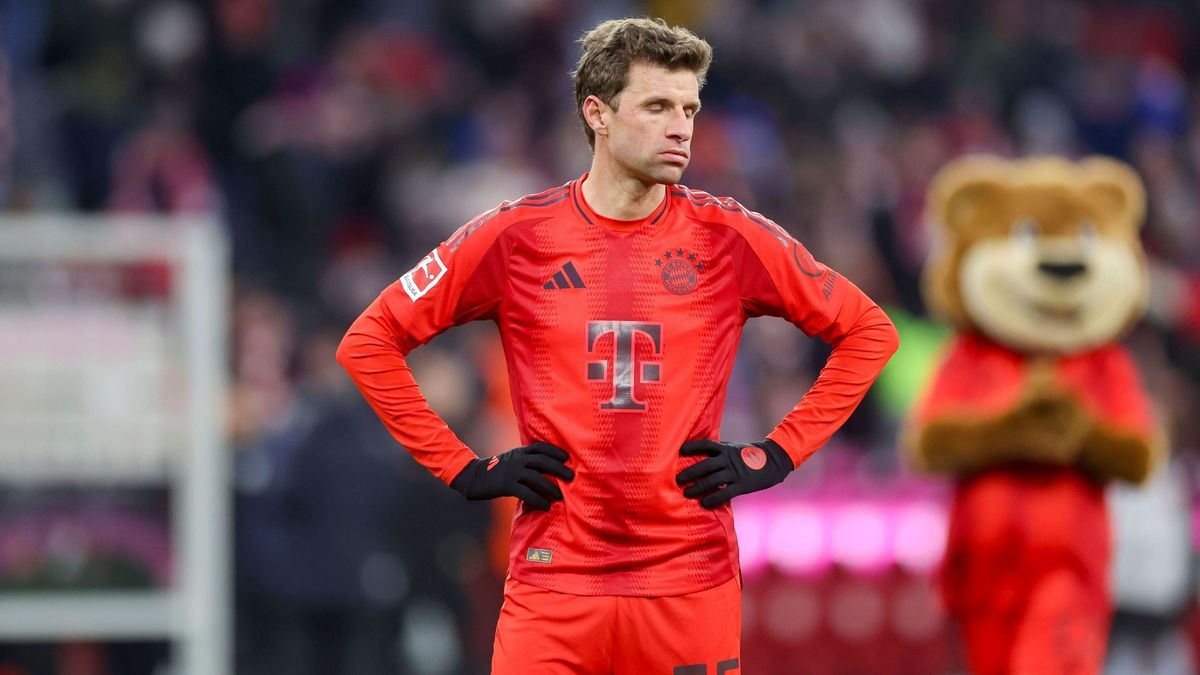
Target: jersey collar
[(612, 224)]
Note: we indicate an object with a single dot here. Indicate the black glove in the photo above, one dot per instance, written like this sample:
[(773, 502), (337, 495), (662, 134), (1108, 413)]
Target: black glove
[(521, 472), (731, 469)]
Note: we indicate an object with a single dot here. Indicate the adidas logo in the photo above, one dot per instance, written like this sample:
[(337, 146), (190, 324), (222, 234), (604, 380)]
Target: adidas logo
[(567, 277)]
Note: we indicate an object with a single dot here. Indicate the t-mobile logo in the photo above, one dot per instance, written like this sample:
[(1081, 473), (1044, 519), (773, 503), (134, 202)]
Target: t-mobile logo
[(624, 359)]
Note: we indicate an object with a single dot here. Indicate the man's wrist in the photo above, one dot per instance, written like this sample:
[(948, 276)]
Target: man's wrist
[(462, 482), (779, 456)]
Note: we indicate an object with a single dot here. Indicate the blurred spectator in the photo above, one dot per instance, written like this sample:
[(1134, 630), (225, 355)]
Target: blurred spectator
[(340, 536)]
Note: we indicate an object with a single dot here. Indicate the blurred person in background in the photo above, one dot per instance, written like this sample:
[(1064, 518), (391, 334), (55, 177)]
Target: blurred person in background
[(337, 539), (620, 297)]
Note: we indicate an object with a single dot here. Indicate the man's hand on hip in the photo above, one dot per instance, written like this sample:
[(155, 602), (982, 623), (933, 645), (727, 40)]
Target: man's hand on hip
[(521, 472), (731, 469)]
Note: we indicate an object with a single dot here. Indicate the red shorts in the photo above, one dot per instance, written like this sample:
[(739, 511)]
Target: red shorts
[(1062, 631), (544, 632)]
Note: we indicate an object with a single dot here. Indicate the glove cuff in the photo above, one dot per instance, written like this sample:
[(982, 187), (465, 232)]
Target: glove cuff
[(776, 455), (462, 482)]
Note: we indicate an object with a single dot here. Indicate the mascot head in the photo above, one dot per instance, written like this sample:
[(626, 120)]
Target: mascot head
[(1041, 254)]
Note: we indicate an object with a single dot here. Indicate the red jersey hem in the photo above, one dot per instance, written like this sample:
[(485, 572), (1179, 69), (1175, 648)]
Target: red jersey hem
[(586, 584)]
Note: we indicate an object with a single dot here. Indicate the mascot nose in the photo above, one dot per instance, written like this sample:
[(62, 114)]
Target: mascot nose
[(1062, 271)]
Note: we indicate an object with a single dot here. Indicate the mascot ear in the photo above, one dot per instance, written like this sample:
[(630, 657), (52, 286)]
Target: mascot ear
[(1116, 189), (964, 193), (966, 188)]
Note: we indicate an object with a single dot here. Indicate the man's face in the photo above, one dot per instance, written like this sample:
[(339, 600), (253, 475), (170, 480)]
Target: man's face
[(650, 132)]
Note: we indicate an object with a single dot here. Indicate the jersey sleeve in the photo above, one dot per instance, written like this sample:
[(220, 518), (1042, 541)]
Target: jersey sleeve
[(1119, 394), (781, 278), (459, 281)]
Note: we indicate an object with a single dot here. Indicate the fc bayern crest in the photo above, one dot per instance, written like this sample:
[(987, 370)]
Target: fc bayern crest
[(680, 271)]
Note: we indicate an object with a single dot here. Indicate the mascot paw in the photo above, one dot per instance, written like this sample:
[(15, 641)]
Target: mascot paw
[(1108, 455), (1047, 427)]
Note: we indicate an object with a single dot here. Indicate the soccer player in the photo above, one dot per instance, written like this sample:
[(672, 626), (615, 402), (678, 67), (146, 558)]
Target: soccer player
[(620, 297)]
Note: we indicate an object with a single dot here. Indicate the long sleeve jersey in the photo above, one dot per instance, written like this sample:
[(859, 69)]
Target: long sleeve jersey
[(619, 338), (1011, 526)]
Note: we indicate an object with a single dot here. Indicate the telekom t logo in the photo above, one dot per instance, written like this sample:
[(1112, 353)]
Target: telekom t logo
[(624, 359)]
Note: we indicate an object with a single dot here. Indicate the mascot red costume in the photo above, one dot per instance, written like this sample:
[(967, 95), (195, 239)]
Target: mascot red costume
[(1036, 406)]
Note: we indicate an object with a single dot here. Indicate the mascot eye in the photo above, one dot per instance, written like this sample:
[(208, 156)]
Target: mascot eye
[(1025, 232)]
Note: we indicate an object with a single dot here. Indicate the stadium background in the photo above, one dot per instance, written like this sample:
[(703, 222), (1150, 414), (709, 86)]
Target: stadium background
[(338, 141)]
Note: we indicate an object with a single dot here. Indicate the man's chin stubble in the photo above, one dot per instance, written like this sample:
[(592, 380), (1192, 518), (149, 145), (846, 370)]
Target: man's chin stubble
[(669, 177)]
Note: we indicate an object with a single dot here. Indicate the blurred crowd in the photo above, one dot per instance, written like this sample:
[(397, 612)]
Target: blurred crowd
[(338, 141)]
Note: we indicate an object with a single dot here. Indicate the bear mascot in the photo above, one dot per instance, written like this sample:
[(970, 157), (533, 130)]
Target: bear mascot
[(1035, 406)]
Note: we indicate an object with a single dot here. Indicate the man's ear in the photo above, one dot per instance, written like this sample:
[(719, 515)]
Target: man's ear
[(595, 114), (966, 187), (1116, 189)]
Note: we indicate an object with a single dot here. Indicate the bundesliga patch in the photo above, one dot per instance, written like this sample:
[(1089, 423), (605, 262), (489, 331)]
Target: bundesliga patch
[(539, 555), (420, 279), (680, 270)]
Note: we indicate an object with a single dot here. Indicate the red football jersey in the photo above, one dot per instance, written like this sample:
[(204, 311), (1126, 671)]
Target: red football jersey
[(1012, 526), (619, 338)]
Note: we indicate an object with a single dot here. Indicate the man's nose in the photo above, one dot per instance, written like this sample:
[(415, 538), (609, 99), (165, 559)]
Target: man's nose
[(680, 127)]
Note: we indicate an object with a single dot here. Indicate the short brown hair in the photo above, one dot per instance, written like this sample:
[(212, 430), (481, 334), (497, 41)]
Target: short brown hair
[(610, 47)]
